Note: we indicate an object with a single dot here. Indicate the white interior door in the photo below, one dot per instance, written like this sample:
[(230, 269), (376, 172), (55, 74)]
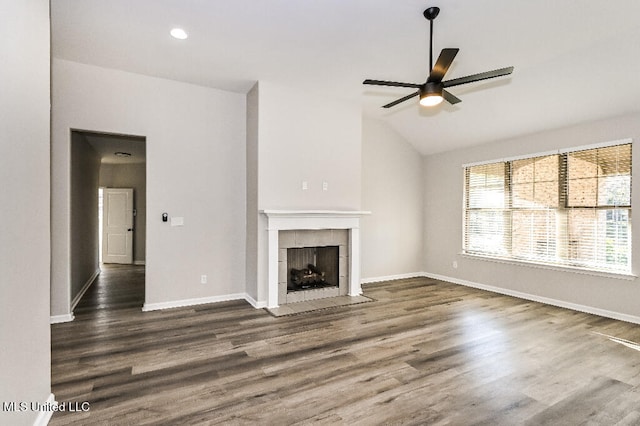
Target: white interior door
[(117, 225)]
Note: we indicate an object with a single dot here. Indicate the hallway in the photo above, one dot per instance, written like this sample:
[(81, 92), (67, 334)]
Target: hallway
[(117, 287)]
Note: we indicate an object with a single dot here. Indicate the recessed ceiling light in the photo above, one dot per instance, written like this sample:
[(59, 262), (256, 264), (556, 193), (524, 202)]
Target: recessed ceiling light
[(122, 154), (179, 33)]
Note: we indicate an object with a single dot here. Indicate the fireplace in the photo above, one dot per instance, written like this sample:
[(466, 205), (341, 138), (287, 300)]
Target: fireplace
[(311, 229), (312, 268), (312, 264)]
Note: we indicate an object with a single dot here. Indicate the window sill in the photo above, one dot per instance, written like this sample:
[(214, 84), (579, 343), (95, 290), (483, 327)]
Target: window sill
[(577, 270)]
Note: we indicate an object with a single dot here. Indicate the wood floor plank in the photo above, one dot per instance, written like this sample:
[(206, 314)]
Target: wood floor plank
[(423, 352)]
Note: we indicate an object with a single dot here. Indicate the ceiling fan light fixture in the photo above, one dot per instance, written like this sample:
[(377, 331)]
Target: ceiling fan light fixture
[(431, 95), (431, 100), (179, 33), (431, 92)]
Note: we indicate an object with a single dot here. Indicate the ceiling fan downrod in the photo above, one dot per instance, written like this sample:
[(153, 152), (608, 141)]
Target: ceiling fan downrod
[(430, 14)]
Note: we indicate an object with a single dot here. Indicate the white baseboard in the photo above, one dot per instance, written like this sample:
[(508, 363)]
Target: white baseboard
[(139, 262), (546, 300), (56, 319), (45, 415), (392, 277), (191, 302), (254, 302), (203, 300), (84, 288)]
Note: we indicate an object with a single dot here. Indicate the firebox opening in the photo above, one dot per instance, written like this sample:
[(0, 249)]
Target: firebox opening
[(312, 267)]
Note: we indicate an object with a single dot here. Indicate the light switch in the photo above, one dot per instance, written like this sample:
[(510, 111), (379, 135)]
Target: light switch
[(177, 221), (305, 185), (325, 186)]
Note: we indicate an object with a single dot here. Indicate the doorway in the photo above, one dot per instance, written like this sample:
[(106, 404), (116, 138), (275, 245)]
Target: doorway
[(100, 163)]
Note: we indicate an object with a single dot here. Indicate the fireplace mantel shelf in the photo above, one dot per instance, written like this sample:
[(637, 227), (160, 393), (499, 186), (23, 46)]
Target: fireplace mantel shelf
[(314, 213)]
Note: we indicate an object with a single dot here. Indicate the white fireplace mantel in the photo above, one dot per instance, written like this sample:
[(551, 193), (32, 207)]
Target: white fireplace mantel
[(283, 220), (313, 219)]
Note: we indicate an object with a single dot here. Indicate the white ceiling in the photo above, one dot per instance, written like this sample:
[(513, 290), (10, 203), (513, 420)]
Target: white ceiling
[(575, 60), (106, 145)]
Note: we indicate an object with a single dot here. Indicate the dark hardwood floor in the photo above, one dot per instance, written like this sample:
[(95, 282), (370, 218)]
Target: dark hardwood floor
[(117, 287), (424, 352)]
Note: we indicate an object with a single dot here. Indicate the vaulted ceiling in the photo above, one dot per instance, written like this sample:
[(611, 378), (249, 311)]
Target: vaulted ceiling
[(575, 61)]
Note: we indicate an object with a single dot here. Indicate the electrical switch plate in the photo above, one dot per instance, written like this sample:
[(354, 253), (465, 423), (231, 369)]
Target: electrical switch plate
[(177, 221), (305, 185), (203, 279), (325, 186)]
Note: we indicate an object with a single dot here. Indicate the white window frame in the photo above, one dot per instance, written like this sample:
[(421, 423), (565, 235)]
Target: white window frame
[(531, 263)]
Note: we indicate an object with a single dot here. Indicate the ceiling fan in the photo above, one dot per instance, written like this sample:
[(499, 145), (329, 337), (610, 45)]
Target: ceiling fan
[(432, 91)]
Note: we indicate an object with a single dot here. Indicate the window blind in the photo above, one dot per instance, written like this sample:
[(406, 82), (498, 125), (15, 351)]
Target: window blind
[(569, 209)]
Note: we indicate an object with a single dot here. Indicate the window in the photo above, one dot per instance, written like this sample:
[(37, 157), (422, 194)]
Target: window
[(570, 208)]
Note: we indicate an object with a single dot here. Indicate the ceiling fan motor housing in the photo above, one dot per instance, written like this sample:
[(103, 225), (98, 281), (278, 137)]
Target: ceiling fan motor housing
[(431, 89)]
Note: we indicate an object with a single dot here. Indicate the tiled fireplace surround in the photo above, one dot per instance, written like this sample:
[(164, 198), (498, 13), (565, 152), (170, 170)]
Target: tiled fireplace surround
[(312, 238), (309, 228)]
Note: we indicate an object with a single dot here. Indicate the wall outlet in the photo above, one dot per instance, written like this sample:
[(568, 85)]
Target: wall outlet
[(305, 185), (455, 264), (203, 279), (325, 186)]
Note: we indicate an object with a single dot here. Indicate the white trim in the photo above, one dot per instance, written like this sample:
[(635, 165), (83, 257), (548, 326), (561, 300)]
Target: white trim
[(139, 262), (191, 302), (57, 319), (393, 277), (541, 299), (354, 285), (562, 268), (281, 220), (313, 213), (44, 416), (84, 288), (557, 151), (254, 302)]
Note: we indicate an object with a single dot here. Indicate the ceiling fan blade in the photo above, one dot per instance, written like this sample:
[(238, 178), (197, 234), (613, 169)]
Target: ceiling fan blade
[(397, 101), (478, 77), (391, 83), (450, 98), (442, 65)]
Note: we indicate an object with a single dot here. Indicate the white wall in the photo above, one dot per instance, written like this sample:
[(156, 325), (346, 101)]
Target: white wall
[(131, 175), (85, 170), (443, 223), (306, 136), (24, 211), (252, 237), (392, 189), (297, 136), (195, 169)]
